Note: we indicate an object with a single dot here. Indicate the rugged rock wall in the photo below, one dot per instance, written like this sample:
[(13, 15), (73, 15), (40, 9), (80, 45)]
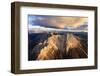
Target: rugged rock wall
[(60, 47)]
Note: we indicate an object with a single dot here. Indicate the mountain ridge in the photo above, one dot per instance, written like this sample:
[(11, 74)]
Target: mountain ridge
[(67, 46)]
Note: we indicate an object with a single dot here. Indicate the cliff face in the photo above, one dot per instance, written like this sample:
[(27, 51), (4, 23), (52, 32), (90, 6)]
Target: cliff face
[(60, 47), (54, 48), (76, 48)]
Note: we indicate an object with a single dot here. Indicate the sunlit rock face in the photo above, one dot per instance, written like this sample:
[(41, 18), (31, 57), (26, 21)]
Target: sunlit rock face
[(54, 48), (49, 52), (65, 46), (75, 47)]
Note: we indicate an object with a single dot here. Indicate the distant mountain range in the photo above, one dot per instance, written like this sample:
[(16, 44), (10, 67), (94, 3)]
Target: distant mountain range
[(40, 29)]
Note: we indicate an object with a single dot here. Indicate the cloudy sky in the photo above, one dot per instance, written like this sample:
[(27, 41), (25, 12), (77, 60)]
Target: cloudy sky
[(57, 22)]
